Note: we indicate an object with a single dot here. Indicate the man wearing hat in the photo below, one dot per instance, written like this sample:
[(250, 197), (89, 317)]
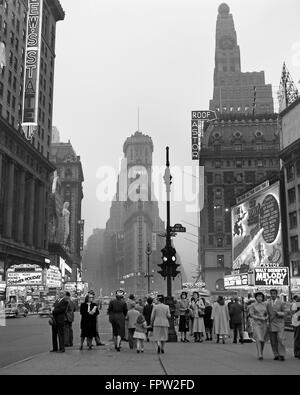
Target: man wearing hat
[(276, 313), (117, 311)]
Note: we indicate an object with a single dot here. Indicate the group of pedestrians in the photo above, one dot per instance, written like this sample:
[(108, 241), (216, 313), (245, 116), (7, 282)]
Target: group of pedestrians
[(135, 321), (199, 317)]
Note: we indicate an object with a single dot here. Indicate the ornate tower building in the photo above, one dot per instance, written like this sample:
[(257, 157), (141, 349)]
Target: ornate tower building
[(239, 150), (235, 91)]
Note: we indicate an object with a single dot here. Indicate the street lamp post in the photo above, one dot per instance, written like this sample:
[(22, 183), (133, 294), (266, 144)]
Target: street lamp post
[(148, 253), (169, 299)]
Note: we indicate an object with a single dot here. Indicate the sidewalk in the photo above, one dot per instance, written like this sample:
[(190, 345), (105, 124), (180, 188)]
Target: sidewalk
[(179, 359)]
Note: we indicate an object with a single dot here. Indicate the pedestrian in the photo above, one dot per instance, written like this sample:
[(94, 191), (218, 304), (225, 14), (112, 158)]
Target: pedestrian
[(58, 329), (160, 323), (220, 317), (184, 316), (97, 337), (117, 311), (276, 312), (69, 319), (140, 333), (228, 303), (296, 325), (191, 323), (249, 319), (131, 298), (131, 318), (147, 311), (259, 314), (197, 307), (208, 322), (88, 325), (140, 305), (236, 319)]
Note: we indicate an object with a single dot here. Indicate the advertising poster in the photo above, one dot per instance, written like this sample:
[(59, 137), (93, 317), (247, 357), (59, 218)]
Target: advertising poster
[(19, 278), (271, 277), (256, 232), (236, 281)]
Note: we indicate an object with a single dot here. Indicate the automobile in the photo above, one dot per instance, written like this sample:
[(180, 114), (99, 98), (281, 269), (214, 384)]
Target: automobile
[(14, 310), (44, 311)]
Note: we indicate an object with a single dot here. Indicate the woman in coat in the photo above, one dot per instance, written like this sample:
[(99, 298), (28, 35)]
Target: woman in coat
[(259, 315), (117, 311), (88, 325), (220, 317), (197, 308), (160, 323), (208, 322), (184, 316)]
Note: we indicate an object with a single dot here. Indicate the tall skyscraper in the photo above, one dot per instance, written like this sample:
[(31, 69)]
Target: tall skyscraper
[(24, 166), (239, 150), (134, 222), (236, 92)]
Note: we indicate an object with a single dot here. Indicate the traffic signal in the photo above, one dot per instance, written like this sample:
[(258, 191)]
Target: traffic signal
[(174, 265), (163, 272)]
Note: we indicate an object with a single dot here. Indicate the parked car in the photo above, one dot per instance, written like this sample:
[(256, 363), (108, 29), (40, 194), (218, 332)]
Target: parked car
[(15, 310), (44, 311)]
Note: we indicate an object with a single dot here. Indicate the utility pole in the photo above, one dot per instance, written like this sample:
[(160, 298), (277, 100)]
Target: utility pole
[(148, 253)]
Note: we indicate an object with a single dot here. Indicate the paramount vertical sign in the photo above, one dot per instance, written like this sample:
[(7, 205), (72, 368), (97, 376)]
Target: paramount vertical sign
[(32, 67)]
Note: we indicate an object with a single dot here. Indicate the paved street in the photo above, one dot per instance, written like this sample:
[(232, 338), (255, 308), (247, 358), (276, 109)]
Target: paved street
[(28, 340)]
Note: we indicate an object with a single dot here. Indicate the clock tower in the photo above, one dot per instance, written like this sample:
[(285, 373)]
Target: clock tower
[(236, 92), (228, 58)]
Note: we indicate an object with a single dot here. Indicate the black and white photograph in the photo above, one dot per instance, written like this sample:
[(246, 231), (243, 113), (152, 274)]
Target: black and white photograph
[(149, 190)]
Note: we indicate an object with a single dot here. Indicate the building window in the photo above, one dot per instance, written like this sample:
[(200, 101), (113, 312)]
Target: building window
[(218, 179), (220, 242), (221, 261), (218, 193), (211, 240), (219, 226), (294, 244), (293, 220), (218, 164), (259, 147), (238, 147), (217, 148), (298, 168), (292, 195), (228, 240), (238, 164), (219, 211), (295, 268), (290, 172)]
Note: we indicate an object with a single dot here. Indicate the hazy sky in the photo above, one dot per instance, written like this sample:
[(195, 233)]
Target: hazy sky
[(116, 55)]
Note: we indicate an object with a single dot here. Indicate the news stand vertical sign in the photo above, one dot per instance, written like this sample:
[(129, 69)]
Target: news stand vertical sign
[(32, 67)]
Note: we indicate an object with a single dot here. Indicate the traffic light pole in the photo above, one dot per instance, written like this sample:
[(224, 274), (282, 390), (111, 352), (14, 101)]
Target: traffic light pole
[(169, 299)]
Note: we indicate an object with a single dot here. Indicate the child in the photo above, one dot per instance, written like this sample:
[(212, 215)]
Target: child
[(131, 318), (140, 332)]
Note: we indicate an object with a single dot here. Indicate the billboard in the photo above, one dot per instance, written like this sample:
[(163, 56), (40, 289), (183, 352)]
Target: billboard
[(21, 278), (271, 277), (53, 277), (32, 67), (236, 281), (256, 231)]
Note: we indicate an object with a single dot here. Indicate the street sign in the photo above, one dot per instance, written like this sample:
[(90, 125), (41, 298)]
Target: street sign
[(205, 115), (178, 228)]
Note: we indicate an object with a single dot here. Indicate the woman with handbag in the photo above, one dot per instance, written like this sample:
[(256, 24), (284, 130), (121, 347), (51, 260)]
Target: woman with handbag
[(184, 316), (197, 308), (89, 312)]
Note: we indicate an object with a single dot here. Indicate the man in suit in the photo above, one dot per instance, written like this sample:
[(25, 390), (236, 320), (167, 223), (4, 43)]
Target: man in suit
[(59, 314), (276, 312), (69, 319), (236, 319)]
